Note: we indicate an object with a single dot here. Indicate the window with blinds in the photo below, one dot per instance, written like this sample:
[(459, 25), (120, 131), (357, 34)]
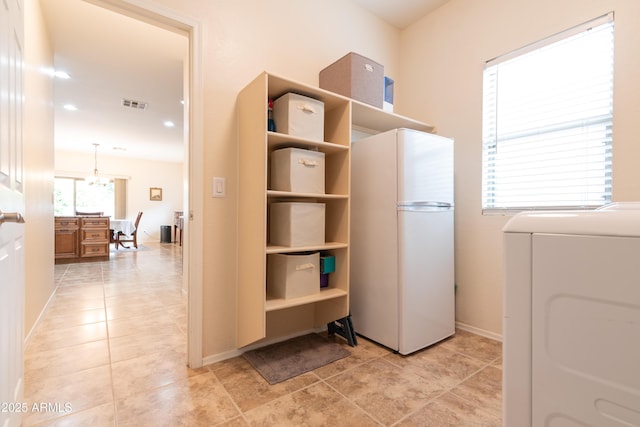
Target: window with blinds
[(547, 122)]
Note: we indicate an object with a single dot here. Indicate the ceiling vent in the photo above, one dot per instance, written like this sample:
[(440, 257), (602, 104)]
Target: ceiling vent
[(136, 105)]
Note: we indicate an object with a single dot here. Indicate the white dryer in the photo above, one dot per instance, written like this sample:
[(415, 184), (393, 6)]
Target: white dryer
[(571, 331)]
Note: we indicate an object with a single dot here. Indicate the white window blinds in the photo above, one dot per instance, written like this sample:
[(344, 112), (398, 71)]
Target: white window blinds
[(547, 122)]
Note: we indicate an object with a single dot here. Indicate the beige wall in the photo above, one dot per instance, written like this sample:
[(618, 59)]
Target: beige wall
[(442, 59), (141, 175), (437, 65), (241, 39), (38, 157), (291, 38)]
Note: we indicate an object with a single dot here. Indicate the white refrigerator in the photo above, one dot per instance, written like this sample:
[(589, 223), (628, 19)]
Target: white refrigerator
[(402, 260)]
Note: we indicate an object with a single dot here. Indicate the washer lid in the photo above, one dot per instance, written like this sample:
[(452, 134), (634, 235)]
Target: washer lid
[(616, 219)]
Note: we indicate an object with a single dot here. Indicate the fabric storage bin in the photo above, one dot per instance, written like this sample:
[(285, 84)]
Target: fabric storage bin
[(327, 266), (292, 275), (297, 170), (357, 77), (300, 116), (296, 223)]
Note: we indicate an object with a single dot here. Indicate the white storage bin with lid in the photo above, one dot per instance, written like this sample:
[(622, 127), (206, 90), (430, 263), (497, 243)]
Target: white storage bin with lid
[(296, 224), (297, 170), (293, 275), (300, 116)]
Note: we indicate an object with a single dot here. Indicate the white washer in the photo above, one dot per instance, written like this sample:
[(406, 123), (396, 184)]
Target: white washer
[(571, 332)]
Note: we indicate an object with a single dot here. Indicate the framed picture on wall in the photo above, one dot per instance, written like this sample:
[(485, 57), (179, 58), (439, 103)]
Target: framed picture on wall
[(155, 194)]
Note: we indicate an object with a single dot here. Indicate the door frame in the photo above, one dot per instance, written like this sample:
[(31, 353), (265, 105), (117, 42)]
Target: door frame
[(171, 20)]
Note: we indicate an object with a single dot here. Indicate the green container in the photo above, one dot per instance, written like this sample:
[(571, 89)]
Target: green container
[(327, 264)]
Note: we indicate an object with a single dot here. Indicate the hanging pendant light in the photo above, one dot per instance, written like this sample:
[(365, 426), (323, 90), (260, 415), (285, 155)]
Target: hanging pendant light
[(96, 179)]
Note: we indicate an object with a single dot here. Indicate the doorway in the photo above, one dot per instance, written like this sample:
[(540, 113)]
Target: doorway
[(172, 24)]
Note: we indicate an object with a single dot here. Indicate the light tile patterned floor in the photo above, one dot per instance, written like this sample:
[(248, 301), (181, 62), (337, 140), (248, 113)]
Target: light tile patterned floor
[(112, 349)]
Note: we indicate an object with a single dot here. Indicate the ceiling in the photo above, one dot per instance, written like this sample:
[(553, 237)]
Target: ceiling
[(110, 58), (400, 13)]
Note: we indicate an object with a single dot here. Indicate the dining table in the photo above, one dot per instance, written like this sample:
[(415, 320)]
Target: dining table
[(178, 225), (122, 225)]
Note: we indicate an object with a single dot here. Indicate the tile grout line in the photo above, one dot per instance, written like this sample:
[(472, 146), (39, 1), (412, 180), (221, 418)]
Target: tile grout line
[(383, 358), (106, 323), (488, 365), (66, 270), (233, 401), (375, 419), (449, 389), (92, 276), (429, 401), (484, 365)]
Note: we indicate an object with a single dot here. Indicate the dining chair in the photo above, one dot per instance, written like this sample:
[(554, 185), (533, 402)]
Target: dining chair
[(121, 238), (78, 213)]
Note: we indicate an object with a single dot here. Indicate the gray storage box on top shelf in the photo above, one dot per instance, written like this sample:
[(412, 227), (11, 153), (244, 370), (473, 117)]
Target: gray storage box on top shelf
[(293, 275), (357, 77), (297, 170), (297, 224), (300, 116)]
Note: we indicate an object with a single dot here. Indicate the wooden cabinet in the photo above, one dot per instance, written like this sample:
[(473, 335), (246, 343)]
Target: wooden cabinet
[(259, 316), (67, 231), (94, 237), (81, 239)]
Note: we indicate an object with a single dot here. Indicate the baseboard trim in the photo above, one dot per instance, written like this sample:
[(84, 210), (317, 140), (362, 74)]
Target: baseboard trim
[(44, 310), (478, 331), (219, 357)]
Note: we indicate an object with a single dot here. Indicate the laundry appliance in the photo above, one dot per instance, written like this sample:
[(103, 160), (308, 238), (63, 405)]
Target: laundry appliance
[(571, 328)]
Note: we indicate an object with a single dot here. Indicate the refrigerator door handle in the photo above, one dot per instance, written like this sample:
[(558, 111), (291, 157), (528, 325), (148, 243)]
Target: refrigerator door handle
[(424, 206)]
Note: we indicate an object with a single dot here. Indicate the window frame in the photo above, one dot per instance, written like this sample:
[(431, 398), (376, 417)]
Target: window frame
[(488, 209), (119, 196)]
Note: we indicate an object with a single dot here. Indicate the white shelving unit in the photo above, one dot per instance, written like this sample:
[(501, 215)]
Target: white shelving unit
[(369, 118), (259, 316)]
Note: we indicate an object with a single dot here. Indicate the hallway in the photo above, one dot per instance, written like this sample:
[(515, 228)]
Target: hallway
[(115, 329), (111, 351)]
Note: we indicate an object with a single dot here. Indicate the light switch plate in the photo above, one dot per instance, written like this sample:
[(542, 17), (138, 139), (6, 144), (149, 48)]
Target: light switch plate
[(219, 187)]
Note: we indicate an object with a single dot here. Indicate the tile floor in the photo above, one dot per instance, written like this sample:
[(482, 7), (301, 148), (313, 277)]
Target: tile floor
[(111, 351)]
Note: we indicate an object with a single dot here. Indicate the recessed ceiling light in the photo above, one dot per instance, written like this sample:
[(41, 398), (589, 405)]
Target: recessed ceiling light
[(169, 124), (70, 107), (61, 74)]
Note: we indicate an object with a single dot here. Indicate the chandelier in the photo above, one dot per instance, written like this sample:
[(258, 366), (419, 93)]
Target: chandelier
[(96, 179)]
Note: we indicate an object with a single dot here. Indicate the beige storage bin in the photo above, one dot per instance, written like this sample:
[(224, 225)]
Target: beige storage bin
[(357, 77), (296, 224), (293, 275), (297, 170), (300, 116)]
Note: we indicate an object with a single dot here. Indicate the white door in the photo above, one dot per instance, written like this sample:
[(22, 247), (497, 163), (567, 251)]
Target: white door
[(11, 205)]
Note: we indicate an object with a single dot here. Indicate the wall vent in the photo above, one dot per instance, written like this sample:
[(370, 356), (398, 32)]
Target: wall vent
[(137, 105)]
